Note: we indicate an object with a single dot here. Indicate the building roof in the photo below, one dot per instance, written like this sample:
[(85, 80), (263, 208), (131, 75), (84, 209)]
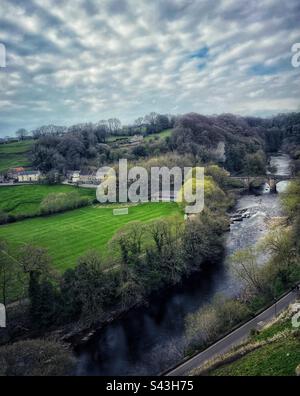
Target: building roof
[(91, 174), (28, 173)]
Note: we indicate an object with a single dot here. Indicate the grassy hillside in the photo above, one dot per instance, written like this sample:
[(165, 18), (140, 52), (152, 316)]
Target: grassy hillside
[(160, 135), (69, 235), (112, 138), (279, 354), (26, 200), (278, 359), (14, 154)]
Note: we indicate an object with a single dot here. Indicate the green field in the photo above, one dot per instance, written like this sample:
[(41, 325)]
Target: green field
[(160, 135), (68, 235), (14, 154), (26, 200), (112, 139)]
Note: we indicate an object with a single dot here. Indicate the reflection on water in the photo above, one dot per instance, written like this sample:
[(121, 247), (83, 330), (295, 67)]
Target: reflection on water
[(148, 339)]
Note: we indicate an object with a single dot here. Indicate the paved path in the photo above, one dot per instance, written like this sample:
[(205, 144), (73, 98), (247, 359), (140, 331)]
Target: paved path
[(236, 337)]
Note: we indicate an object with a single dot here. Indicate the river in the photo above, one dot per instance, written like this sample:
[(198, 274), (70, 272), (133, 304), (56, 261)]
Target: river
[(147, 340)]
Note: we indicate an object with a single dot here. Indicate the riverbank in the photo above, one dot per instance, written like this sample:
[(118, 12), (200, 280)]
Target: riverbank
[(80, 332), (149, 340)]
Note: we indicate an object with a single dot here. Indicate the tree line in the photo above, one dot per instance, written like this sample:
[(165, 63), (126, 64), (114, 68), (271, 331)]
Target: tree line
[(246, 141)]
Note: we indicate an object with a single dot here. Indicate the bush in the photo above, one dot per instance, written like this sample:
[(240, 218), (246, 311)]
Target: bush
[(59, 202), (214, 320), (4, 217), (35, 358)]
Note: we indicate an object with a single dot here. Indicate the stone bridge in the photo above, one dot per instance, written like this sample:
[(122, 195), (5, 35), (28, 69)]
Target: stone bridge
[(270, 179)]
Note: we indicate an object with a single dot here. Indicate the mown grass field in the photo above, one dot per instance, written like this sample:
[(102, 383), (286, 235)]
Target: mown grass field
[(69, 235), (26, 199), (14, 154)]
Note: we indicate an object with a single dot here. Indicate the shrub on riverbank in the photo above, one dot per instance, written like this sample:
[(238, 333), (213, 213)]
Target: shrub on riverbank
[(214, 320)]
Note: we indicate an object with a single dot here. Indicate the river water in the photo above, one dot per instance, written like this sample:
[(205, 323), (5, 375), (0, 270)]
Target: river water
[(147, 340)]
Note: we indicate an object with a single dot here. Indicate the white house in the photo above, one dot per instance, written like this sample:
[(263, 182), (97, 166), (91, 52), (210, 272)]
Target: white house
[(73, 176), (136, 139), (29, 176), (88, 178)]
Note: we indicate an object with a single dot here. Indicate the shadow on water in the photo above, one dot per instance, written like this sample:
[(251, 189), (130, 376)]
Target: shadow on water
[(121, 347)]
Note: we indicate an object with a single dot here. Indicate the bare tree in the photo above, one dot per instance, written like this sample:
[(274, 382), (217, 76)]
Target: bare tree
[(8, 272), (21, 133), (114, 125), (245, 266)]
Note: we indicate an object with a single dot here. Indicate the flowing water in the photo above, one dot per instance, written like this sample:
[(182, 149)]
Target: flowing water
[(146, 340)]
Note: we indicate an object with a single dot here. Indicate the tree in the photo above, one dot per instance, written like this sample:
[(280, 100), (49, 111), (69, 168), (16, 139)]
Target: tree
[(162, 122), (151, 122), (167, 236), (36, 358), (114, 125), (44, 304), (283, 269), (235, 155), (219, 175), (21, 133), (8, 273), (255, 164), (36, 264), (245, 266), (203, 239), (214, 319), (139, 122), (128, 245), (202, 326), (139, 151), (291, 199), (89, 287)]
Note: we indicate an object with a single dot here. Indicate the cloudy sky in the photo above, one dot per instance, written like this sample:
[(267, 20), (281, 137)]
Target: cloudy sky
[(76, 61)]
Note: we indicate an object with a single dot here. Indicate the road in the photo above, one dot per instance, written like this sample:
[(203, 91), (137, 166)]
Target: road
[(235, 338)]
